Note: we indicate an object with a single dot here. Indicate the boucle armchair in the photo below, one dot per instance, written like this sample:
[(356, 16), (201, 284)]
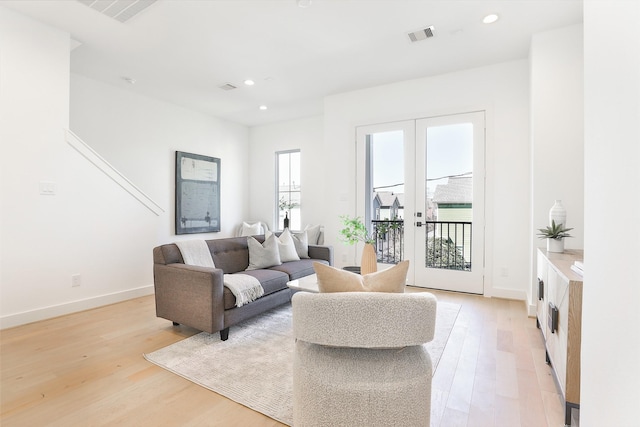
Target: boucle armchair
[(359, 358)]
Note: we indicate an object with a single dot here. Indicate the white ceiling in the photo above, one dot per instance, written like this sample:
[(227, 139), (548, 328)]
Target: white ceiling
[(182, 51)]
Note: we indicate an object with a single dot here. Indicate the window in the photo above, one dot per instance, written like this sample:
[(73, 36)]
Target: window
[(288, 189)]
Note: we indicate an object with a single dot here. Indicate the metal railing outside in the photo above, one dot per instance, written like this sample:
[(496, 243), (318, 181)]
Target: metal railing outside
[(389, 236), (449, 245)]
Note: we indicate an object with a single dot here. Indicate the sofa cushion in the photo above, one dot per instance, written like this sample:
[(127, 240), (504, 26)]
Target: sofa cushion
[(231, 255), (271, 281), (331, 279), (298, 269)]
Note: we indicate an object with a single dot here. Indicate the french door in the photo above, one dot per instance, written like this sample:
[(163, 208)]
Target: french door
[(421, 186), (449, 226)]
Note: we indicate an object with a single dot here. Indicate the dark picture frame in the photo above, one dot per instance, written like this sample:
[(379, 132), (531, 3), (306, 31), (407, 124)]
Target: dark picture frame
[(197, 193)]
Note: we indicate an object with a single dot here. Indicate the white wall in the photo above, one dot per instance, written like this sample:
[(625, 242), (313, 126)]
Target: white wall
[(91, 226), (610, 315), (500, 89), (304, 134), (139, 137), (557, 134)]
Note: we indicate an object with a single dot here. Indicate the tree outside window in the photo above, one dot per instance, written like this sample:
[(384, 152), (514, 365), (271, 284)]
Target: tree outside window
[(288, 189)]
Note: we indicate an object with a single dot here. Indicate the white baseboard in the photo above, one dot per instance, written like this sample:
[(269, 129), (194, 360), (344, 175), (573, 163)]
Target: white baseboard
[(507, 294), (43, 313), (515, 295)]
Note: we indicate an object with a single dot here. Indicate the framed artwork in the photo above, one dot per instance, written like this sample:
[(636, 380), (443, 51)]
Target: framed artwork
[(197, 193)]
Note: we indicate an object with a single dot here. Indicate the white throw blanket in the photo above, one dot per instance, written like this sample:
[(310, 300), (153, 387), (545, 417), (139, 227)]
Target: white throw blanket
[(245, 288), (195, 252)]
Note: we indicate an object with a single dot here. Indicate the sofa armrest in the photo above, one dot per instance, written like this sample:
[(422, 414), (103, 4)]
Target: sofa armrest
[(321, 252), (190, 295)]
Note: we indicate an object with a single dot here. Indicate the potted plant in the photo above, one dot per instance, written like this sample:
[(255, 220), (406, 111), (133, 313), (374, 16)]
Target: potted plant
[(355, 231), (555, 234)]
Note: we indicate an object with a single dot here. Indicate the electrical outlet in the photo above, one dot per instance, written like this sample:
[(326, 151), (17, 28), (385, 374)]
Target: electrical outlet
[(505, 272), (75, 280)]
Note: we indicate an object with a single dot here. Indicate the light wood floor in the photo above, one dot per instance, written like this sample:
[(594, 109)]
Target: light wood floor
[(87, 369)]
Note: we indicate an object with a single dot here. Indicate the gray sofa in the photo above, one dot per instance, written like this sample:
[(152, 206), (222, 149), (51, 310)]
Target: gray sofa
[(196, 296)]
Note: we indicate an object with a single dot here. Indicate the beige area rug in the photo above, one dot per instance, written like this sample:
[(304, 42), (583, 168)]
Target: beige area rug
[(254, 366)]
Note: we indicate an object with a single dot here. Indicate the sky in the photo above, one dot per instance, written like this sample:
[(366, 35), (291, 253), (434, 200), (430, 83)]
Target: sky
[(449, 152)]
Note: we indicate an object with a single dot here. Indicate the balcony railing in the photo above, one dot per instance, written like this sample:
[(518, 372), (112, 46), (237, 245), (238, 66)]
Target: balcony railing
[(389, 236), (448, 243)]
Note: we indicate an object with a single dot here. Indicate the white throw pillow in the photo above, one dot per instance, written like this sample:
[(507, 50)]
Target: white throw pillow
[(251, 229), (301, 242), (263, 255), (313, 233), (286, 247)]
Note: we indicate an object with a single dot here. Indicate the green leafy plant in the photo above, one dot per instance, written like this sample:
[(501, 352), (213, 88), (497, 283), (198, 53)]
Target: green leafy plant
[(286, 206), (554, 231), (354, 231)]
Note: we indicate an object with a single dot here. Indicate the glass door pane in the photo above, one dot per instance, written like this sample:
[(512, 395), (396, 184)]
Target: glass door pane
[(384, 151)]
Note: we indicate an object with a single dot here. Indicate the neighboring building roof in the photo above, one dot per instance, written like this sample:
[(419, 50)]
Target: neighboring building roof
[(456, 190), (386, 198)]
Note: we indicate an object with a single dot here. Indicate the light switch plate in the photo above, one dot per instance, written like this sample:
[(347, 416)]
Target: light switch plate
[(47, 188)]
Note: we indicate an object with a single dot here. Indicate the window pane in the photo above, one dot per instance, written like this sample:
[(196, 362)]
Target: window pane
[(449, 168), (288, 189)]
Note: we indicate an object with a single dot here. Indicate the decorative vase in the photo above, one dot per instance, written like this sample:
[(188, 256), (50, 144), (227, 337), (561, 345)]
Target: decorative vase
[(286, 220), (558, 214), (369, 263), (555, 245)]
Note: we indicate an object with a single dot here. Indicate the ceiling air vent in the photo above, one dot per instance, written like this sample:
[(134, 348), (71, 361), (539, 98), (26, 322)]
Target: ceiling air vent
[(228, 86), (120, 10), (422, 34)]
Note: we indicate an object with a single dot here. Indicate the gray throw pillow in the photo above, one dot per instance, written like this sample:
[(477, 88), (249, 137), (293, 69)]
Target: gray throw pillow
[(263, 255), (301, 242)]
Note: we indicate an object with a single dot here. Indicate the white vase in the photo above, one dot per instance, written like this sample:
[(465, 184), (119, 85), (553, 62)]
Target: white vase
[(555, 245), (558, 214)]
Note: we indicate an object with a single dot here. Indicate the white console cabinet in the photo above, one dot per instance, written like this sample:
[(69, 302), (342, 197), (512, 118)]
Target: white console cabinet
[(560, 287)]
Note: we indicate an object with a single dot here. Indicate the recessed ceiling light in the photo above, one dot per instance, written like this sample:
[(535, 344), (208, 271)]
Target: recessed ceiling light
[(249, 82), (490, 19), (304, 3), (263, 107)]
